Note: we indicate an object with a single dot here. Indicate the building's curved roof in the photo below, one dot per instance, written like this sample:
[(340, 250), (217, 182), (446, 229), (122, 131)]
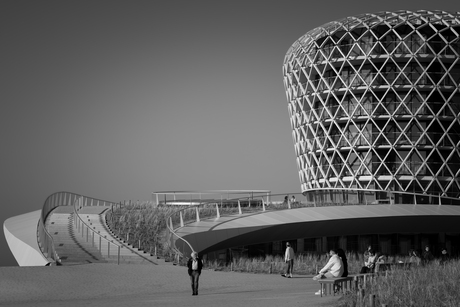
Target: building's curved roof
[(231, 231), (416, 19)]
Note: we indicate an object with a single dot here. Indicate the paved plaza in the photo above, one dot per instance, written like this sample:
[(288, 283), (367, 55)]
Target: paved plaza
[(151, 285)]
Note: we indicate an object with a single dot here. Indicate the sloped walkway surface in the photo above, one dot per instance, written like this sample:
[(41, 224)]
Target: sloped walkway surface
[(69, 245), (77, 247)]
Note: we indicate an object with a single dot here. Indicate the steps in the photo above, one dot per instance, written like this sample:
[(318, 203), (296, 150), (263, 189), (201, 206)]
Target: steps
[(69, 245), (128, 253), (75, 246)]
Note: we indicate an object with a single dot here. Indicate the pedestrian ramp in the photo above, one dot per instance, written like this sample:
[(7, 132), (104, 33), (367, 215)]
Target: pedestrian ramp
[(89, 240)]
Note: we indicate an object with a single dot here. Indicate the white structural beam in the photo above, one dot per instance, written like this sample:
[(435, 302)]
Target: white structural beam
[(21, 236)]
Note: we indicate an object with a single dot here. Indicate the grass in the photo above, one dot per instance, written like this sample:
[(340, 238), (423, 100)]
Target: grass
[(431, 285), (144, 225), (141, 225)]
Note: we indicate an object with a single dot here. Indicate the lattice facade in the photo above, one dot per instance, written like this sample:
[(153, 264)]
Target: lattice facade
[(374, 104)]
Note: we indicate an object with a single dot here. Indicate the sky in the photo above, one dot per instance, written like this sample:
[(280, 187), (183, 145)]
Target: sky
[(119, 99)]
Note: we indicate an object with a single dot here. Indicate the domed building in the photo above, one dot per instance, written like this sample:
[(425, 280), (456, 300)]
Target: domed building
[(374, 104)]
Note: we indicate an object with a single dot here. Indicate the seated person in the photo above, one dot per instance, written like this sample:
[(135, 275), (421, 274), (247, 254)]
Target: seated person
[(444, 256), (343, 257), (333, 268), (369, 264), (414, 257), (382, 259)]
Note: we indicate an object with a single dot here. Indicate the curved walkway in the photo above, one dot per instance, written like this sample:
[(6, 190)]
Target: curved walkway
[(111, 285), (74, 247), (238, 230)]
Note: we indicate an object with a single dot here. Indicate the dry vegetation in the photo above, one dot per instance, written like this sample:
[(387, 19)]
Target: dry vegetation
[(432, 285)]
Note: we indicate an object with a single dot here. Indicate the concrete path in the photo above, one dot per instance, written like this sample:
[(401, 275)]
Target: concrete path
[(74, 247), (110, 285)]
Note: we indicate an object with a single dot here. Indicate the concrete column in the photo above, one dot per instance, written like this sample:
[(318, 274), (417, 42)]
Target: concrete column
[(324, 244), (442, 238), (318, 245), (300, 245), (343, 243)]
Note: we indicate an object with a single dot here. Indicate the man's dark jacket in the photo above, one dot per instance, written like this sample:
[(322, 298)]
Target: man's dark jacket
[(189, 265)]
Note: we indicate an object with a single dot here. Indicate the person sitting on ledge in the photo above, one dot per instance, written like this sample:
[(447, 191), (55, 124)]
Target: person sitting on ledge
[(414, 257), (333, 268), (444, 256), (343, 257), (369, 264), (427, 256), (382, 258)]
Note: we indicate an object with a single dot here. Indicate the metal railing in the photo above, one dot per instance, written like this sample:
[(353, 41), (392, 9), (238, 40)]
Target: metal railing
[(198, 197), (388, 47), (393, 78), (214, 209), (207, 208), (44, 238), (91, 234)]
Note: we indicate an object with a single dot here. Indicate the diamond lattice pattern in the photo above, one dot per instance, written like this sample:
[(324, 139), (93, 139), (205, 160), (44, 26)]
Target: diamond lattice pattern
[(374, 103)]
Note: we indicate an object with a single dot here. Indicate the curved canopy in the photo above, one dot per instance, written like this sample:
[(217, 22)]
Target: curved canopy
[(269, 226)]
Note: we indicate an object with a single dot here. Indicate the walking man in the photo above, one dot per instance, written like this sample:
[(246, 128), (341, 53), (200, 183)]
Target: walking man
[(194, 265), (289, 259)]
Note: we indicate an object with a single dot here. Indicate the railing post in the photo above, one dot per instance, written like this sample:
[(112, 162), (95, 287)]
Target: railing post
[(361, 296), (197, 214), (181, 219), (263, 204), (289, 204), (239, 208), (372, 300), (217, 209)]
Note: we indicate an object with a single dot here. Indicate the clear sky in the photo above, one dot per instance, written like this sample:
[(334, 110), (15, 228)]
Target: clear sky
[(118, 99)]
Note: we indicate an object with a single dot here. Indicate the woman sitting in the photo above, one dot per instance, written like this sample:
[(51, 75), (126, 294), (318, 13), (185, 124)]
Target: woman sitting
[(369, 264), (333, 268)]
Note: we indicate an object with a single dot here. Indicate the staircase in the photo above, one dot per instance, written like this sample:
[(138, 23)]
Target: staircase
[(69, 245), (75, 246)]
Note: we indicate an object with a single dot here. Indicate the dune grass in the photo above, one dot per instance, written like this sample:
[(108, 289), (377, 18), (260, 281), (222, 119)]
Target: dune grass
[(143, 225), (431, 285)]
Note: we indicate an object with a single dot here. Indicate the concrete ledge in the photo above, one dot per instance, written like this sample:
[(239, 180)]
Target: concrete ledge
[(328, 285)]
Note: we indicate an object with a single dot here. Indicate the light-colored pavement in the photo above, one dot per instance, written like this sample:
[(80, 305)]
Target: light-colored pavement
[(105, 284)]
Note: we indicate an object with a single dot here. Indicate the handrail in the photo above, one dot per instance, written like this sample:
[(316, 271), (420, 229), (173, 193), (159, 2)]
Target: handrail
[(169, 221), (79, 223), (274, 205), (200, 194), (169, 218), (44, 238)]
